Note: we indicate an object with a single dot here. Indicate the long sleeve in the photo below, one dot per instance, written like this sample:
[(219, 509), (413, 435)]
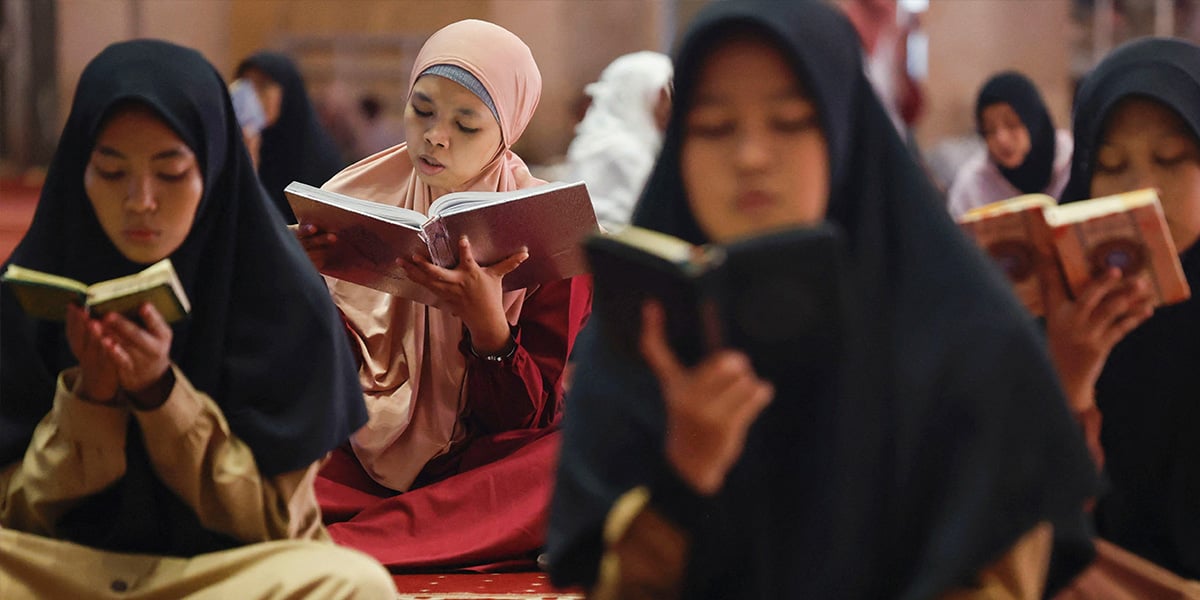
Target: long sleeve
[(194, 453), (525, 390), (77, 450)]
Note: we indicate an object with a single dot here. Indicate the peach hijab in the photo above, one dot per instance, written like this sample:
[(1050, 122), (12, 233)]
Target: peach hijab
[(412, 373)]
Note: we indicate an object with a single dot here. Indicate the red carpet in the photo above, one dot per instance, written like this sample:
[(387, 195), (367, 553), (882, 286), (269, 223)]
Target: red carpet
[(17, 201), (498, 586)]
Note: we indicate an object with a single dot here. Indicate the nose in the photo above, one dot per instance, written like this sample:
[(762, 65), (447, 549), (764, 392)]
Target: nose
[(436, 135), (753, 151), (141, 195)]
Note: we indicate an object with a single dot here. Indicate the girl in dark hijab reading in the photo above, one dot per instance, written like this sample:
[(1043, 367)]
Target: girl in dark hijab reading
[(294, 145), (165, 460), (931, 453), (1137, 121), (1024, 154)]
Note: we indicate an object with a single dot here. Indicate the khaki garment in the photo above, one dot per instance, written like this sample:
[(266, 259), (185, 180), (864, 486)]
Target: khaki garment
[(79, 449)]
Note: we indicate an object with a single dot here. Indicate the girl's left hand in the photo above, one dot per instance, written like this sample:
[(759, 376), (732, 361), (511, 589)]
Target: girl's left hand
[(470, 292), (142, 355)]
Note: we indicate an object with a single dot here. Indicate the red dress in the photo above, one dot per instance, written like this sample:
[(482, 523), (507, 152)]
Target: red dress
[(484, 505)]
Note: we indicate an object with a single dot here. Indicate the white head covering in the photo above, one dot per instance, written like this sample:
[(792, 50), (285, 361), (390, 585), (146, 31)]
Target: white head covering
[(617, 141)]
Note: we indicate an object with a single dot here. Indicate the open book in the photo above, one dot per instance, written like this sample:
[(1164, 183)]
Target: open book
[(551, 220), (775, 296), (46, 296), (1082, 239)]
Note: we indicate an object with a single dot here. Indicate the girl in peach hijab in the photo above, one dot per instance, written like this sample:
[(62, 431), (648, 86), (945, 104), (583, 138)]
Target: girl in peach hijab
[(454, 467)]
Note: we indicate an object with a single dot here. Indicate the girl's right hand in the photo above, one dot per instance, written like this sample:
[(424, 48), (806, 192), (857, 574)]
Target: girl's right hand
[(1081, 333), (318, 244), (710, 407), (98, 377)]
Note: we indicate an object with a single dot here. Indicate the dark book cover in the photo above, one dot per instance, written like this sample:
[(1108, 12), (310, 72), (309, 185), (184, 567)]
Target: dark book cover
[(775, 296)]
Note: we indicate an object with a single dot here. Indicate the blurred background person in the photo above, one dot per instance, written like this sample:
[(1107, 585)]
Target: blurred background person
[(295, 146), (377, 130), (619, 137), (1023, 153)]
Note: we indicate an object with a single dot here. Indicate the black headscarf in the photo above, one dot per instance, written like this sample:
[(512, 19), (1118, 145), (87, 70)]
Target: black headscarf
[(263, 338), (944, 436), (1012, 88), (1149, 391), (296, 147)]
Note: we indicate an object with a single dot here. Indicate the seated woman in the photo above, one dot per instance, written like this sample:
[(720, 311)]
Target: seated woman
[(618, 139), (293, 144), (454, 468), (1023, 153), (1137, 121), (165, 461), (934, 455)]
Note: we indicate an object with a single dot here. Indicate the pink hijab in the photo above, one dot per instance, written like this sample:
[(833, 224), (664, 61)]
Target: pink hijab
[(412, 373)]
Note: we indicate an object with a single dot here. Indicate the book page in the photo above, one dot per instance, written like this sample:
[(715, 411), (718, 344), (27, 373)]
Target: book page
[(157, 284), (460, 202), (18, 274), (385, 212)]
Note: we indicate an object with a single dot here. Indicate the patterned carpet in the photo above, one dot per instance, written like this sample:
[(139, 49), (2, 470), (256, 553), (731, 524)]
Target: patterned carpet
[(497, 586)]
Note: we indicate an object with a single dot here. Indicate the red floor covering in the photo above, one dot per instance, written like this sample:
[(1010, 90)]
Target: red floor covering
[(471, 586)]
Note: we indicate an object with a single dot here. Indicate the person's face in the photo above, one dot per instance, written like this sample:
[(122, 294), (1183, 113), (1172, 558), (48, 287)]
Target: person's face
[(1006, 136), (270, 93), (1146, 145), (144, 184), (452, 134), (754, 157), (662, 109)]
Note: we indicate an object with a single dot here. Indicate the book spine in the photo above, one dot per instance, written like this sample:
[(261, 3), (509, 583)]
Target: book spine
[(441, 248)]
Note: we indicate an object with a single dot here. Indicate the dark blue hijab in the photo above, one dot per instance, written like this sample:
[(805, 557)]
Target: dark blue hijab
[(944, 436), (263, 338)]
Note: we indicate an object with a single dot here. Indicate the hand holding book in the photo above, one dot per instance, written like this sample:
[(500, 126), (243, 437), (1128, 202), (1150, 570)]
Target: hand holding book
[(115, 354), (710, 406), (471, 292)]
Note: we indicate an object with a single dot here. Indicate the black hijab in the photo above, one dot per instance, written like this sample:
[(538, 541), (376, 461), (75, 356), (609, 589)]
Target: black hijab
[(1012, 88), (296, 147), (943, 437), (263, 338), (1149, 391)]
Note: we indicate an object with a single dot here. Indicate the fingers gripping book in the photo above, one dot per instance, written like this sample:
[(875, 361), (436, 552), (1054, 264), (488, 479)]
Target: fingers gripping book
[(551, 220)]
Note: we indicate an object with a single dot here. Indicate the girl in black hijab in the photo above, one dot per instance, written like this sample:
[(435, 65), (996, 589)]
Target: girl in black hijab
[(1024, 154), (1137, 120), (935, 445), (198, 440), (294, 146)]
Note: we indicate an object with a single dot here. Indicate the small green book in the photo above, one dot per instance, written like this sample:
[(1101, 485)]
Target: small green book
[(46, 296)]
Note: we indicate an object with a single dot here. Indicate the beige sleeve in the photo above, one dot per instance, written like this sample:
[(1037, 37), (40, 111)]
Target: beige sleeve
[(77, 450), (645, 555), (1020, 573), (195, 454)]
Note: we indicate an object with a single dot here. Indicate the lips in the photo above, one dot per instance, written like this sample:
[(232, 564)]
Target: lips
[(140, 234), (751, 200), (428, 165)]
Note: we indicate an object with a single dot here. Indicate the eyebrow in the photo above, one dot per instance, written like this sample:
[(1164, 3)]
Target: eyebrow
[(165, 154), (466, 112)]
